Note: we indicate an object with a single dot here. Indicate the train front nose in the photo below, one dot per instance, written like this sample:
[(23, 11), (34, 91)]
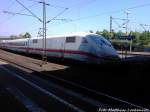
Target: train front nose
[(112, 53), (107, 52)]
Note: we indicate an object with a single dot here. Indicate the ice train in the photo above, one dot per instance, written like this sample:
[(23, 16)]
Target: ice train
[(86, 47)]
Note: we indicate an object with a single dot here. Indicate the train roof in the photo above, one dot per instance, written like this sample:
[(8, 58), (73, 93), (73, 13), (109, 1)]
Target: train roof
[(80, 34), (25, 39)]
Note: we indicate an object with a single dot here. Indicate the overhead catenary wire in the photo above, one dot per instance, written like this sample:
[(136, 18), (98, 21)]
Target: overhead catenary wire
[(19, 13), (57, 15), (11, 4), (106, 13), (117, 23), (29, 11), (52, 5), (13, 15), (57, 6), (54, 18), (115, 11), (139, 6), (119, 19)]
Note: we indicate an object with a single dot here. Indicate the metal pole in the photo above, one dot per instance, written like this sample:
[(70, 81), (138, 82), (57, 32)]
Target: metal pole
[(44, 32), (127, 25), (110, 27), (131, 45), (127, 13), (127, 31)]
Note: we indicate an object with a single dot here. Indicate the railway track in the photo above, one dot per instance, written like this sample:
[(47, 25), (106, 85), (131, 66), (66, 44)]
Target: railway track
[(95, 98)]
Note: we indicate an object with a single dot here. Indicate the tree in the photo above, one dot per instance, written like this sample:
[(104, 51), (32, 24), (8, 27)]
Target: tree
[(137, 35), (145, 38), (98, 33), (119, 33), (105, 33), (142, 39), (25, 35), (13, 37), (91, 31)]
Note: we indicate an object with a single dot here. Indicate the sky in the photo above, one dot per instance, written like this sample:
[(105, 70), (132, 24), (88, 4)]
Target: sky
[(81, 16)]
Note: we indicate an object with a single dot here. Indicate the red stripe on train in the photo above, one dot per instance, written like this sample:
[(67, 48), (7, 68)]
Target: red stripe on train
[(60, 51)]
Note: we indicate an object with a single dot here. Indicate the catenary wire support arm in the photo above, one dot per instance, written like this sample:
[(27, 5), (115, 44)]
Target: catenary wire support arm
[(57, 15), (29, 10), (119, 19), (111, 27), (14, 13), (63, 19)]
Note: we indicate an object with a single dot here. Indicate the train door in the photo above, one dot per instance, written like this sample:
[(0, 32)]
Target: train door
[(62, 48), (57, 47), (70, 47), (27, 45)]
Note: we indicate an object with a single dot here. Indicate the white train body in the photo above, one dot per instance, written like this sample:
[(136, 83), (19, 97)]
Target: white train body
[(87, 47)]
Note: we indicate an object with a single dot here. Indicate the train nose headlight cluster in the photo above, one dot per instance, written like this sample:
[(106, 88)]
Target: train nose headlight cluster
[(84, 41)]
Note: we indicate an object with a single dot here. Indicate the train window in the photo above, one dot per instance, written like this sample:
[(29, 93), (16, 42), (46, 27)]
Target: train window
[(35, 41), (101, 41), (106, 42), (70, 39), (84, 41)]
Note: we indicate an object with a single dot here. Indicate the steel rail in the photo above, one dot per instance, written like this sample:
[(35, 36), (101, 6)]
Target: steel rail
[(113, 101)]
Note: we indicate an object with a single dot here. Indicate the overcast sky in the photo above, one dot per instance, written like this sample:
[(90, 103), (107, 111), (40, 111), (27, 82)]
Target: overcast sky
[(86, 15)]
